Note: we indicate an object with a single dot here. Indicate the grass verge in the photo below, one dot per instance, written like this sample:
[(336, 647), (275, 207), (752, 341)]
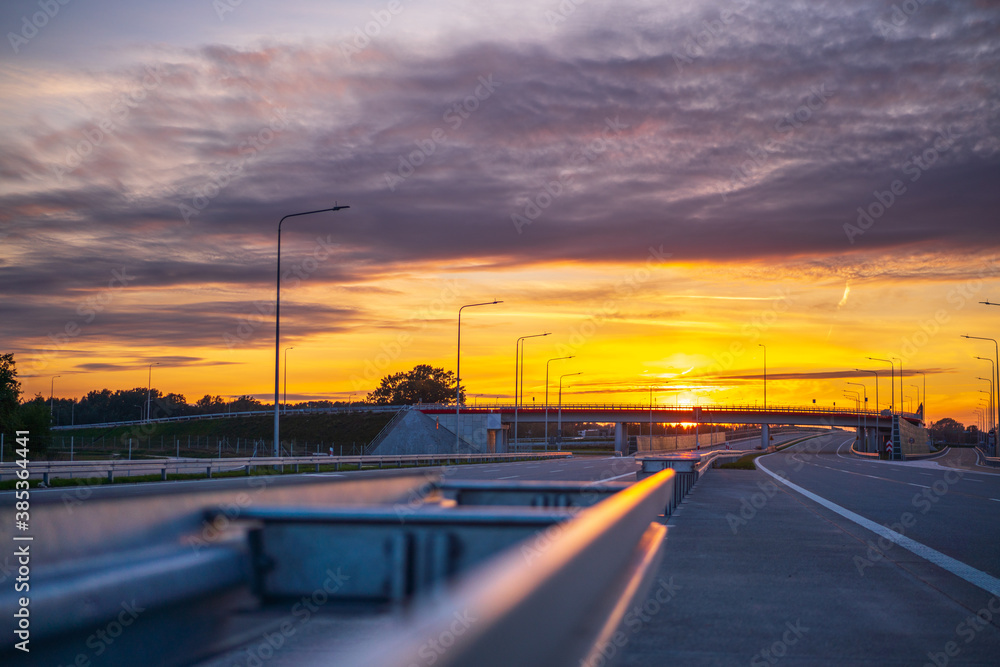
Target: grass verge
[(748, 461)]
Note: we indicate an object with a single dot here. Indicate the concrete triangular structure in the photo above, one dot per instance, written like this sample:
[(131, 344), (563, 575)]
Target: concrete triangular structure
[(417, 433)]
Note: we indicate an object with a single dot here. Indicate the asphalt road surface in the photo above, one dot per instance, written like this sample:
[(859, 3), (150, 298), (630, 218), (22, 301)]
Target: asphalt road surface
[(758, 572)]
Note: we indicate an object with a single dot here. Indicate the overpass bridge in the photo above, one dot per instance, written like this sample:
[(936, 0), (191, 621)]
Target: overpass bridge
[(499, 418)]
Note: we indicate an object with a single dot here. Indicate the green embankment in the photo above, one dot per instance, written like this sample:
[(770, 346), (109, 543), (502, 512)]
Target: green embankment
[(748, 462), (237, 435)]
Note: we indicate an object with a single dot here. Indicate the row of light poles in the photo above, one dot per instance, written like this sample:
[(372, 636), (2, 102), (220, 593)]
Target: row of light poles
[(518, 378), (994, 402), (519, 375)]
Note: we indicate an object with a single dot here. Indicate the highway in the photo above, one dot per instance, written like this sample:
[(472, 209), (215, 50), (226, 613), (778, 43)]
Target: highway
[(579, 468), (788, 563), (760, 572)]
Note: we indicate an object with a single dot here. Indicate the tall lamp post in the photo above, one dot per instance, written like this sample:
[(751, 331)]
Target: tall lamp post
[(992, 374), (892, 382), (900, 382), (765, 374), (650, 417), (458, 370), (277, 325), (559, 429), (52, 392), (149, 385), (987, 407), (918, 395), (519, 376), (990, 423), (850, 393), (284, 388), (996, 372), (864, 391), (878, 411), (924, 416), (547, 396)]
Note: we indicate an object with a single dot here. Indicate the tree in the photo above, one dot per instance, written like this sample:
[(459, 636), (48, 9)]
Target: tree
[(423, 384), (948, 430), (246, 403), (10, 392), (210, 404)]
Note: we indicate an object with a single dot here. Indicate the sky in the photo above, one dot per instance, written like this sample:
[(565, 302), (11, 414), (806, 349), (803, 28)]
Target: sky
[(672, 190)]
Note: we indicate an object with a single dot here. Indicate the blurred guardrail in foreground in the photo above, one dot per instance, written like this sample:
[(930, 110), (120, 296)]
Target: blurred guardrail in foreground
[(109, 469), (390, 569)]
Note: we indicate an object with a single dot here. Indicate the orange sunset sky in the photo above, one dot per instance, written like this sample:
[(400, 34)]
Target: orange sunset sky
[(661, 188)]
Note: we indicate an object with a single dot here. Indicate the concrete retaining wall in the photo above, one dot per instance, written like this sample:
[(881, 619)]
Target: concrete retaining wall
[(907, 432)]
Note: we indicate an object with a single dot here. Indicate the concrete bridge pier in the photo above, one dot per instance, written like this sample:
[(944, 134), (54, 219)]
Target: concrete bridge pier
[(765, 436), (621, 438)]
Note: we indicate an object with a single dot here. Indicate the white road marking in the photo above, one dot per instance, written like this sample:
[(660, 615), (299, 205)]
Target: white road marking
[(601, 481), (970, 574)]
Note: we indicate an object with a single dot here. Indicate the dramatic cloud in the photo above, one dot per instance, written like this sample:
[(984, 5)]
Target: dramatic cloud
[(819, 141)]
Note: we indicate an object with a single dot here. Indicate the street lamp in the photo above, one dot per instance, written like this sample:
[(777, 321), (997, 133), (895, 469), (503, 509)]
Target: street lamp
[(924, 416), (547, 396), (149, 384), (878, 411), (996, 372), (892, 383), (52, 392), (765, 374), (864, 390), (519, 378), (277, 322), (990, 380), (991, 375), (900, 382), (987, 406), (559, 429), (284, 391), (651, 417), (458, 369), (918, 394), (848, 393)]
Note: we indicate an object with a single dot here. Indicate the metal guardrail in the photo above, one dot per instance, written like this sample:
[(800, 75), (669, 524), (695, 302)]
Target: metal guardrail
[(340, 409), (689, 466), (554, 601), (547, 571), (46, 469), (659, 409)]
